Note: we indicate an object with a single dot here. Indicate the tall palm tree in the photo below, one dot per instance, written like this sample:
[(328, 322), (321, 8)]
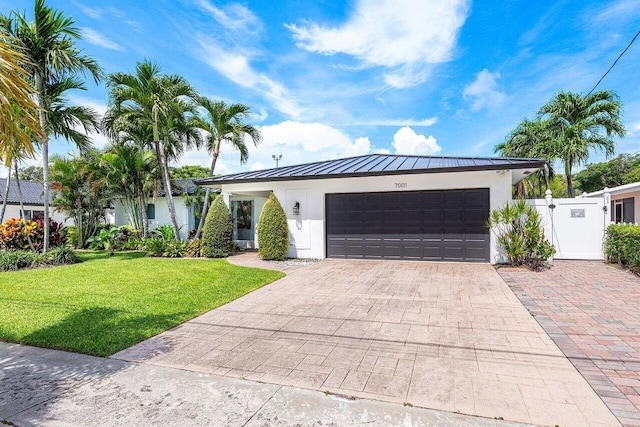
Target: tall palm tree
[(582, 123), (159, 103), (224, 123), (531, 138), (52, 57)]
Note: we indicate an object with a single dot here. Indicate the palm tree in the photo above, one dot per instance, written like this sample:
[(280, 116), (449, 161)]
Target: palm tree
[(18, 112), (53, 62), (531, 138), (159, 103), (224, 123), (130, 172), (579, 124)]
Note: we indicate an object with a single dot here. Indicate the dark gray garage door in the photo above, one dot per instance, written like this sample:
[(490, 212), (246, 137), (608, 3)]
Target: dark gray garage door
[(447, 225)]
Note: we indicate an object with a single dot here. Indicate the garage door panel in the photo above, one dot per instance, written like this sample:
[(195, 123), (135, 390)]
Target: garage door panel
[(427, 225)]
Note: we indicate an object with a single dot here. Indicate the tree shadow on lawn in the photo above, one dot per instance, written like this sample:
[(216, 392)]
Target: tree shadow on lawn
[(101, 331)]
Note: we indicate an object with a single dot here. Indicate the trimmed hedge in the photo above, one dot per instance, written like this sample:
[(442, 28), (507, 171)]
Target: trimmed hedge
[(622, 244), (217, 237), (273, 231)]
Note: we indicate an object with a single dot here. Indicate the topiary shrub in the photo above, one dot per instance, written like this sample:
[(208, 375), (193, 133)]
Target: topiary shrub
[(273, 231), (217, 237)]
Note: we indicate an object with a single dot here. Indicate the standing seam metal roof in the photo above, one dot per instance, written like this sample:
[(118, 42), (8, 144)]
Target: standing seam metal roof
[(377, 164)]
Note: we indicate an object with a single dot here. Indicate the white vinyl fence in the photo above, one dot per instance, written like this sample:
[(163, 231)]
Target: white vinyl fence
[(575, 227)]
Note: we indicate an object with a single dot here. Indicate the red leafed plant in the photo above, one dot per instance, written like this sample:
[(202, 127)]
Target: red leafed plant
[(15, 234)]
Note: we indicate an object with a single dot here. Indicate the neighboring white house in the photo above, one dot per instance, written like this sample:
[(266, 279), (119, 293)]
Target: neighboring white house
[(380, 206), (158, 209), (625, 202), (33, 201)]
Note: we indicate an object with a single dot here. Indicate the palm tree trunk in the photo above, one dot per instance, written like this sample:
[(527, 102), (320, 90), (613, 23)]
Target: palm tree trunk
[(6, 194), (207, 196), (567, 171), (143, 212), (164, 169), (24, 220), (45, 158)]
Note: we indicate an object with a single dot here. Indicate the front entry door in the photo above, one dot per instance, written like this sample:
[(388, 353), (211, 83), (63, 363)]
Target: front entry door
[(242, 211)]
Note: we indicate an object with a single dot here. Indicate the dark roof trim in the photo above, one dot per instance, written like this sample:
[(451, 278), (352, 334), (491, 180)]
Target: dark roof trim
[(376, 165)]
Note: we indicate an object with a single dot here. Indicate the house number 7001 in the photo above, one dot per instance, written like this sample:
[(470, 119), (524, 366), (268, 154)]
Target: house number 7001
[(401, 185)]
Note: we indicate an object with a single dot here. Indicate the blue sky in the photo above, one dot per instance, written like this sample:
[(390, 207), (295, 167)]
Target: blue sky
[(330, 79)]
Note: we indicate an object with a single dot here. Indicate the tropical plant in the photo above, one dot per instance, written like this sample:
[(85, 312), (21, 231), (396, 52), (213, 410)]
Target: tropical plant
[(130, 172), (580, 124), (273, 231), (19, 234), (106, 239), (217, 238), (224, 123), (159, 105), (81, 192), (18, 112), (189, 171), (519, 233), (53, 65), (531, 139), (17, 260)]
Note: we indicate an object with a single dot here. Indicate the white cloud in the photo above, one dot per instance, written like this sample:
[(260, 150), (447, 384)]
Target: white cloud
[(235, 66), (405, 36), (297, 142), (402, 122), (407, 141), (95, 13), (234, 16), (97, 39), (483, 91)]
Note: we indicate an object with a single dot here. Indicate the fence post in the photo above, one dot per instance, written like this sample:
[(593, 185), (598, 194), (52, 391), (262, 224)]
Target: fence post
[(548, 224)]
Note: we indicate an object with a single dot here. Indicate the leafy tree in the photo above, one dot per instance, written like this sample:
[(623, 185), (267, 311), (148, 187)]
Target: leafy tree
[(217, 239), (224, 123), (612, 173), (53, 65), (157, 105), (31, 173), (579, 124), (189, 171), (273, 231)]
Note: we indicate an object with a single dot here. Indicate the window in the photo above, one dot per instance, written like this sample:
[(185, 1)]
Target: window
[(37, 215), (151, 211), (623, 210), (26, 214)]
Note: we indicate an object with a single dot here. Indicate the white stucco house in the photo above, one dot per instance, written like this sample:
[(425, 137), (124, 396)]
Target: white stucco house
[(158, 209), (33, 201), (625, 202), (380, 206)]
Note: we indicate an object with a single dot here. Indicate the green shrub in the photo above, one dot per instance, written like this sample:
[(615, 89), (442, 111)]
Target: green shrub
[(174, 249), (217, 237), (64, 255), (193, 248), (273, 231), (622, 244), (158, 247), (16, 260), (164, 231), (518, 228), (72, 235)]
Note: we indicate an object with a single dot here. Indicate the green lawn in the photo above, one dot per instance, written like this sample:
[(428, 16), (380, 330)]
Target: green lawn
[(106, 304)]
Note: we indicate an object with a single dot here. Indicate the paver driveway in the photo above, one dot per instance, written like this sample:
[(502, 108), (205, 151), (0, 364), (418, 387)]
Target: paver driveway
[(592, 311), (443, 336)]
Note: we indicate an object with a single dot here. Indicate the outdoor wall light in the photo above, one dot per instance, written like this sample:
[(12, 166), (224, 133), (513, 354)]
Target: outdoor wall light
[(296, 208)]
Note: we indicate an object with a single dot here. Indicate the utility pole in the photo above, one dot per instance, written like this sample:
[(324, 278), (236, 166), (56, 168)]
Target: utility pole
[(276, 158)]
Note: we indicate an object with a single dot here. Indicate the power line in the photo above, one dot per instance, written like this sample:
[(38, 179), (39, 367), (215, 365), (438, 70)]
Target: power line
[(615, 62)]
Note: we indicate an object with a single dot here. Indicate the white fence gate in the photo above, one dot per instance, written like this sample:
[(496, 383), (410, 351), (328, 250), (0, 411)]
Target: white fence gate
[(575, 227)]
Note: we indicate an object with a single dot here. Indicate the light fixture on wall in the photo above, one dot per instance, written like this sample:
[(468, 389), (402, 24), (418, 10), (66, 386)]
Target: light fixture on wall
[(296, 208)]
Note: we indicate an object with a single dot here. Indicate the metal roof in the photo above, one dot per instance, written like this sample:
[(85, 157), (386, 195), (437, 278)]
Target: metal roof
[(180, 186), (32, 192), (376, 164)]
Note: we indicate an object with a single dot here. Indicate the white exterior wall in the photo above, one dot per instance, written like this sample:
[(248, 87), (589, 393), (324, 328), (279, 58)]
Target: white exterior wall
[(308, 228), (162, 215), (13, 211)]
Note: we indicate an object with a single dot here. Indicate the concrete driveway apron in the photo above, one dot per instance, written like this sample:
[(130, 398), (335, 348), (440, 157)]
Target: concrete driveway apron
[(444, 336)]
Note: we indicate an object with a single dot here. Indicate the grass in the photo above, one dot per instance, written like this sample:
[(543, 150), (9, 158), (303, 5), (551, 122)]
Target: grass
[(108, 303)]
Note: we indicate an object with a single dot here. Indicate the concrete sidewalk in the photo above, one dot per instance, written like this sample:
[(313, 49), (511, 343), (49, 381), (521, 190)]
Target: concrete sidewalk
[(48, 387)]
